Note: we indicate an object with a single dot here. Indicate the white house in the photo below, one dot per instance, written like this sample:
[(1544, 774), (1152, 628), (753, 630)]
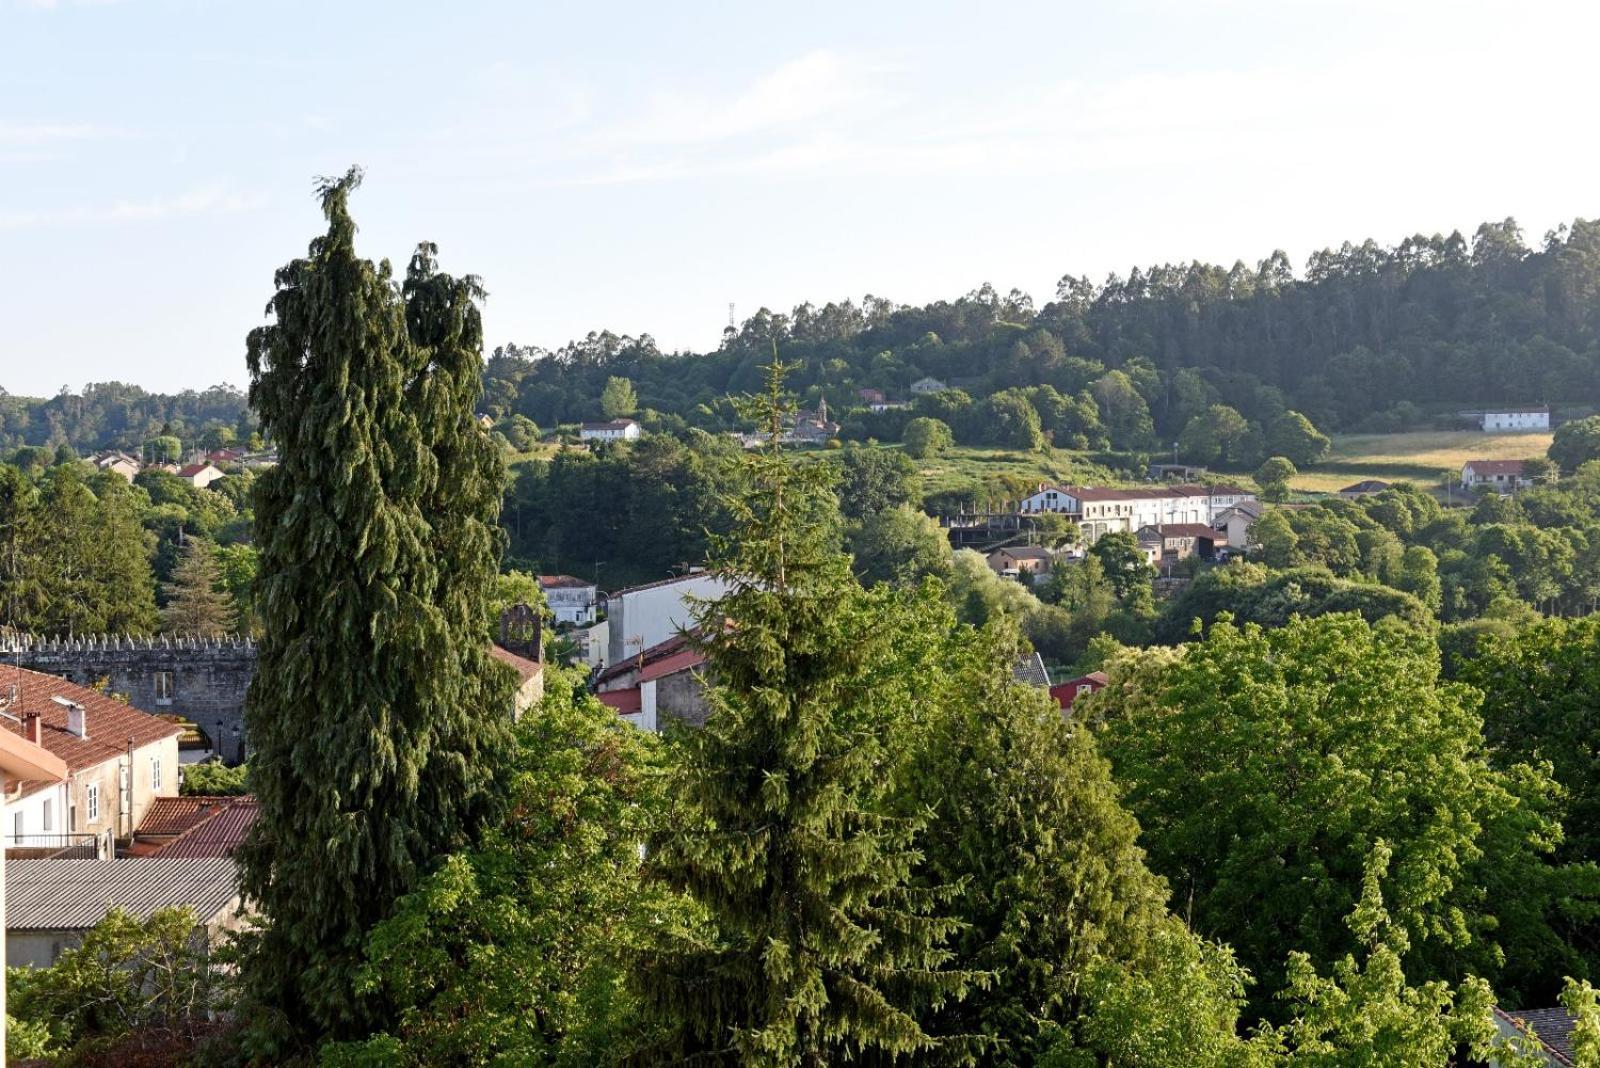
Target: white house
[(1100, 511), (615, 430), (571, 600), (642, 617), (928, 385), (1239, 523), (201, 475), (1516, 419), (1503, 476)]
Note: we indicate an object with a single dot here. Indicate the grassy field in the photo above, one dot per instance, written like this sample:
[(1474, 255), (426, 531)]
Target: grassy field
[(963, 468), (1423, 457)]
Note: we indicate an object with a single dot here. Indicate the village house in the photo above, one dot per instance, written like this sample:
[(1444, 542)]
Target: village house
[(1067, 692), (1364, 488), (117, 462), (928, 385), (870, 397), (665, 681), (1552, 1028), (1026, 563), (1502, 476), (811, 427), (118, 760), (1515, 419), (194, 826), (611, 430), (201, 475), (51, 904), (1172, 542), (571, 600), (1237, 522), (1099, 511)]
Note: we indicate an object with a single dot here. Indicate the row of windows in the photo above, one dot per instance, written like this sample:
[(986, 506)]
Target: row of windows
[(91, 804)]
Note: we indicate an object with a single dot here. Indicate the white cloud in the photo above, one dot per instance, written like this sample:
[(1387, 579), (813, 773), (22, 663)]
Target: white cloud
[(201, 201)]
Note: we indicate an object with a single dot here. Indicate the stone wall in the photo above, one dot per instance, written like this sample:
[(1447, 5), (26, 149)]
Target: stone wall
[(205, 679)]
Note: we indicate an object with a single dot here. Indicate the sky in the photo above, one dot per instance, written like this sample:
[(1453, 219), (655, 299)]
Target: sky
[(640, 166)]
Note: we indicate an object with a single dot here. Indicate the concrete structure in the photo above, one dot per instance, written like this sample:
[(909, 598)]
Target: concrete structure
[(1502, 476), (571, 600), (1515, 419), (20, 761), (613, 430), (51, 903), (641, 617), (204, 680)]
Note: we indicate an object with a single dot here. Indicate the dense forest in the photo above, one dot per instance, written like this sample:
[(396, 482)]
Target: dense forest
[(1366, 336)]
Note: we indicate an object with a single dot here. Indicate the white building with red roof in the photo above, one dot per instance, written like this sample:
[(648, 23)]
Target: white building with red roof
[(1502, 476), (1099, 510), (572, 600), (119, 760), (201, 475)]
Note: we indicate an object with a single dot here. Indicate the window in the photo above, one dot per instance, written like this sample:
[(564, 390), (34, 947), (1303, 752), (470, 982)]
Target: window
[(155, 773), (91, 802), (49, 817), (163, 687)]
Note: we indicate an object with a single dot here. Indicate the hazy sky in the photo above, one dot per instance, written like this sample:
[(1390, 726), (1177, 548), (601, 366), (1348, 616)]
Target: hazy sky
[(639, 166)]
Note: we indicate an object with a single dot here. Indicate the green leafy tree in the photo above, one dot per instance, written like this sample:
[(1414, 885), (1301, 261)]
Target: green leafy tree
[(1010, 421), (1262, 765), (824, 948), (163, 449), (521, 432), (1025, 819), (198, 604), (512, 953), (1214, 435), (1273, 477), (1276, 543), (215, 779), (618, 398), (1293, 436), (1124, 564), (925, 437), (93, 557), (898, 544), (1575, 444), (378, 544), (875, 480), (238, 564)]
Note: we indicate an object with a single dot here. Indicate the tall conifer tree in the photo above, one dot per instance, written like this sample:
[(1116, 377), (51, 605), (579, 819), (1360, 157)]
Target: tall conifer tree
[(375, 717), (823, 951), (197, 604)]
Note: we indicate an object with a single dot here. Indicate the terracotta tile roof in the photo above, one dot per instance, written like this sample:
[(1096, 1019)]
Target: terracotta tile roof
[(190, 470), (1495, 467), (683, 660), (168, 816), (525, 668), (217, 836), (110, 724), (671, 647), (556, 582)]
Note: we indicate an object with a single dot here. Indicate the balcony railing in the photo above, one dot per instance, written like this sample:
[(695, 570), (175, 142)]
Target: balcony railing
[(56, 847)]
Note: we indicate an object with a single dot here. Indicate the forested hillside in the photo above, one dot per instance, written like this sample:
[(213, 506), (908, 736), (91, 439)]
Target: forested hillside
[(1363, 337)]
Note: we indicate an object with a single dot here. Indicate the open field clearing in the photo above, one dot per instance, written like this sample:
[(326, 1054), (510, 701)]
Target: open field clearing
[(1424, 457)]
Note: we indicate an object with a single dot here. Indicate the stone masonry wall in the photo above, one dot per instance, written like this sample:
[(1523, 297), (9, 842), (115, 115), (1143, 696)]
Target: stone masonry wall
[(207, 678)]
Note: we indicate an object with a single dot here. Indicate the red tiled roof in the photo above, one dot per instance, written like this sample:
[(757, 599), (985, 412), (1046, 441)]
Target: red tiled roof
[(624, 701), (671, 647), (110, 725), (1187, 530), (555, 582), (682, 660), (1495, 467), (168, 816), (190, 470), (218, 836), (525, 668)]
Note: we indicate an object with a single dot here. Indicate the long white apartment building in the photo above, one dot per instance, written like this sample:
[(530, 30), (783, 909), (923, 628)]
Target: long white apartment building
[(1099, 511)]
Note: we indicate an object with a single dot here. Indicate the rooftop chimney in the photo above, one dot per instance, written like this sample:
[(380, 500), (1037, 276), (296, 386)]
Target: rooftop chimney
[(30, 728), (75, 720)]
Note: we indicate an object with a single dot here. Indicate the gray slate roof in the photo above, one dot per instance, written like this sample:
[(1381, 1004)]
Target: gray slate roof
[(1553, 1026), (75, 894), (1031, 671)]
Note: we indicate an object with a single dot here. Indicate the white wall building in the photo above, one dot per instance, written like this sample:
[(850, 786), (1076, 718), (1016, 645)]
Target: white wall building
[(571, 600), (1100, 511), (641, 617), (1516, 419), (615, 430)]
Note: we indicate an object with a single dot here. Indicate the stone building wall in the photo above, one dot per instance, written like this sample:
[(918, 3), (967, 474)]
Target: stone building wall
[(205, 680)]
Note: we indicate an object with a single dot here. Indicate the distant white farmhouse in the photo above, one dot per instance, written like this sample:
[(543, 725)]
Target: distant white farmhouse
[(201, 475), (1515, 419), (614, 430), (1503, 476)]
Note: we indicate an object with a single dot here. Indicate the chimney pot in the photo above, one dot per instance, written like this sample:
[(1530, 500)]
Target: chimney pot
[(30, 727), (75, 721)]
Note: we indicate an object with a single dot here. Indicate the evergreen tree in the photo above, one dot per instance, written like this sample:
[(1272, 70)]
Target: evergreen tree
[(196, 602), (823, 950), (375, 716)]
